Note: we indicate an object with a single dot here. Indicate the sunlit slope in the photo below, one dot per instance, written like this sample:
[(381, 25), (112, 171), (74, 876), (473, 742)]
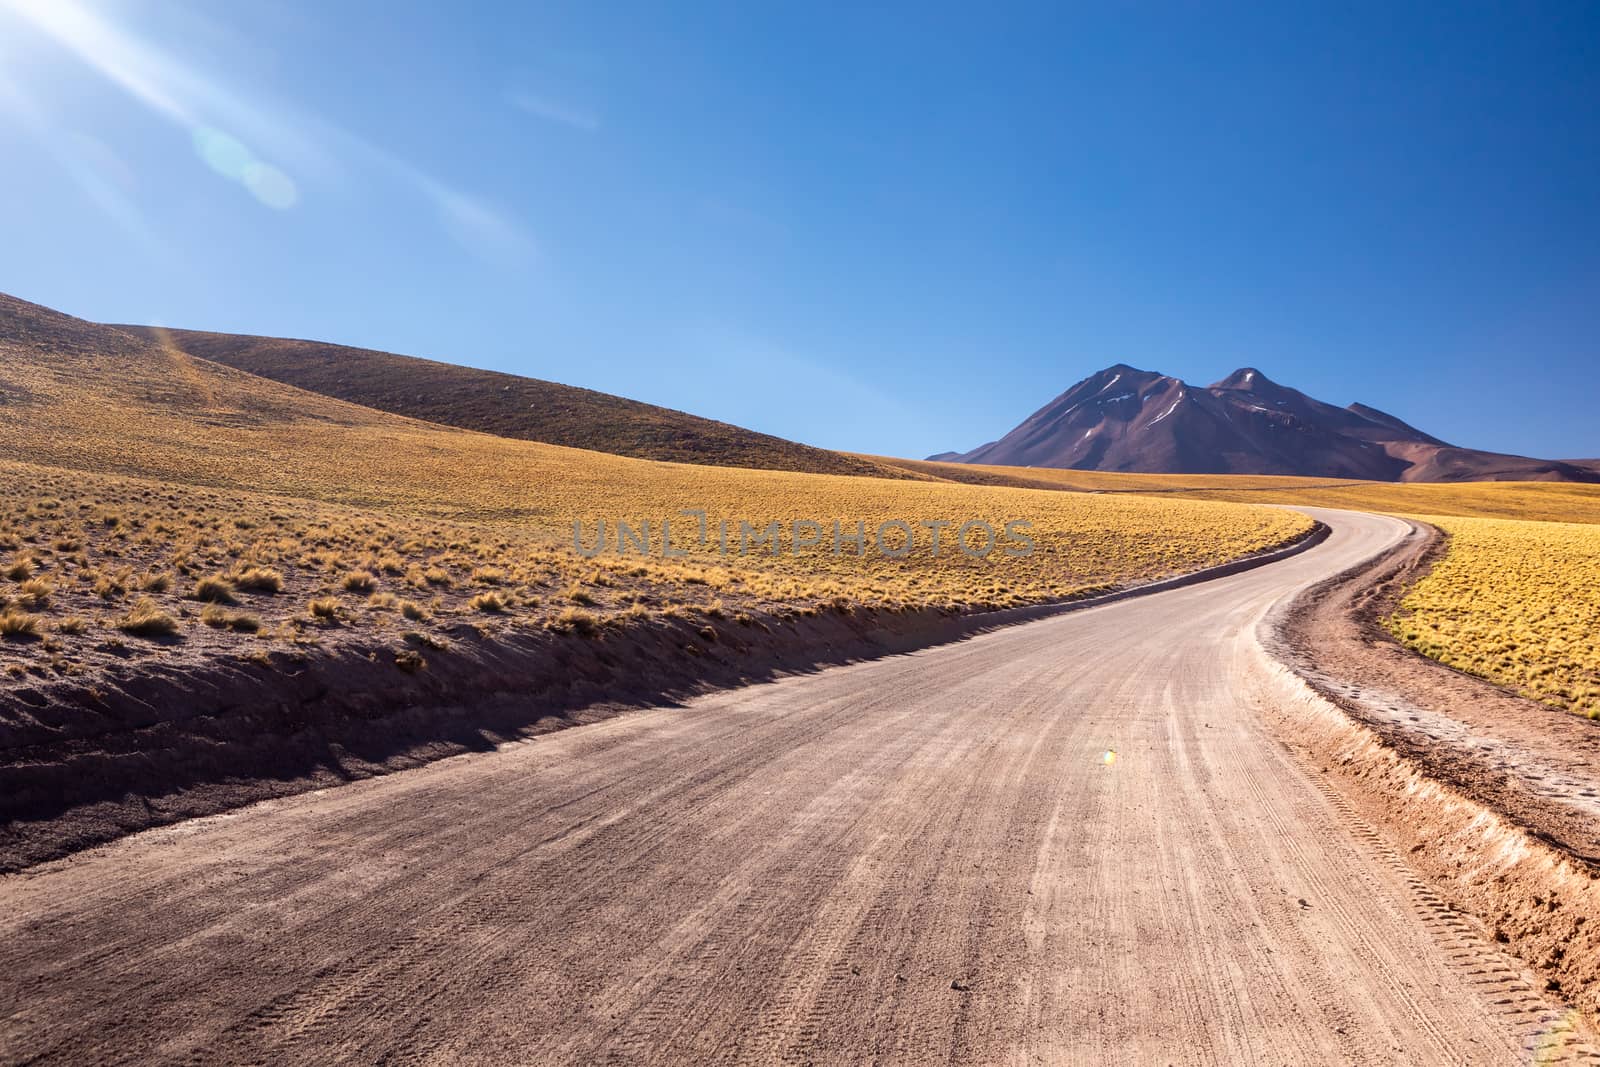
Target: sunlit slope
[(506, 404), (96, 399)]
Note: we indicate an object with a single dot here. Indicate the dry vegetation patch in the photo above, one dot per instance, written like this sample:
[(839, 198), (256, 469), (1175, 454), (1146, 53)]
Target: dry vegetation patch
[(201, 572), (1515, 602), (223, 501)]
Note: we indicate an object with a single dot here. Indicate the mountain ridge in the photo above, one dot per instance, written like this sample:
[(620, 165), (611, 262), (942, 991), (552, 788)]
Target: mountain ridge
[(1129, 420)]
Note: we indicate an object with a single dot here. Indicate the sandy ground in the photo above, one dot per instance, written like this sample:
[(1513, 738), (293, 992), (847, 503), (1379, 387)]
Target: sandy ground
[(1070, 841)]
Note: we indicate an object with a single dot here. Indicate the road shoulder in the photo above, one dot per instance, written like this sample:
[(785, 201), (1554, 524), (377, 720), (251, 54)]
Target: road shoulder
[(1485, 794)]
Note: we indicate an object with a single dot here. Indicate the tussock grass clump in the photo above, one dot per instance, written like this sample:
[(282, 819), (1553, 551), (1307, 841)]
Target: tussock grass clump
[(382, 601), (359, 582), (410, 660), (20, 569), (579, 595), (414, 611), (154, 582), (219, 617), (575, 621), (72, 624), (258, 579), (326, 608), (215, 589), (35, 594), (490, 602), (110, 586), (17, 625), (145, 619), (488, 575)]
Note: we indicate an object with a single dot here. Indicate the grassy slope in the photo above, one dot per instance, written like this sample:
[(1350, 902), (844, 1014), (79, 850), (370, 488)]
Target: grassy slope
[(136, 470), (507, 405)]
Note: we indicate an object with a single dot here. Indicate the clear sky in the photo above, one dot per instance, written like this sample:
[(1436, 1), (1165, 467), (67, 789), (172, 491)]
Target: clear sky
[(891, 228)]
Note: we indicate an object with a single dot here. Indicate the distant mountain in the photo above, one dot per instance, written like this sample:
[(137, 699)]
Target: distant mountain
[(1125, 419), (506, 405)]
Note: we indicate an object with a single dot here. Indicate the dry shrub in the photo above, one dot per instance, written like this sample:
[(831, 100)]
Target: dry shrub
[(258, 579), (154, 582), (216, 589), (19, 626), (575, 620), (491, 602), (221, 618), (145, 619), (110, 587), (414, 611), (324, 608), (488, 575), (35, 594), (360, 582)]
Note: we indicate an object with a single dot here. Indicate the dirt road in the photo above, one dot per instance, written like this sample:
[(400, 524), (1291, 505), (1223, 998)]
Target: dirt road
[(1069, 841)]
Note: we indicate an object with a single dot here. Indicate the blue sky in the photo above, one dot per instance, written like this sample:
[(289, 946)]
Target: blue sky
[(897, 229)]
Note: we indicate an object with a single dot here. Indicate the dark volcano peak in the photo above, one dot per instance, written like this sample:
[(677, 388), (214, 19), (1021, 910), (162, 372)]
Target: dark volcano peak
[(1126, 419)]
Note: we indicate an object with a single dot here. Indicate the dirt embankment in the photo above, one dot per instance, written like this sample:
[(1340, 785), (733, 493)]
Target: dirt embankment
[(82, 764), (1493, 797)]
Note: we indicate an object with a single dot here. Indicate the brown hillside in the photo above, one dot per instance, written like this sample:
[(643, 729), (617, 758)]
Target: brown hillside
[(507, 405)]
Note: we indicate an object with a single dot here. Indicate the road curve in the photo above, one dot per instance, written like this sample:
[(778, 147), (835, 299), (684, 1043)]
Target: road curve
[(1067, 841)]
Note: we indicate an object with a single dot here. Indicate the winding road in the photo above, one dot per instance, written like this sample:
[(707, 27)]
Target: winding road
[(1068, 841)]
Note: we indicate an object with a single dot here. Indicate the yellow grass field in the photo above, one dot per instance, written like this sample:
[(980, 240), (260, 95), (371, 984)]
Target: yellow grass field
[(1516, 602), (145, 493), (1544, 501)]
